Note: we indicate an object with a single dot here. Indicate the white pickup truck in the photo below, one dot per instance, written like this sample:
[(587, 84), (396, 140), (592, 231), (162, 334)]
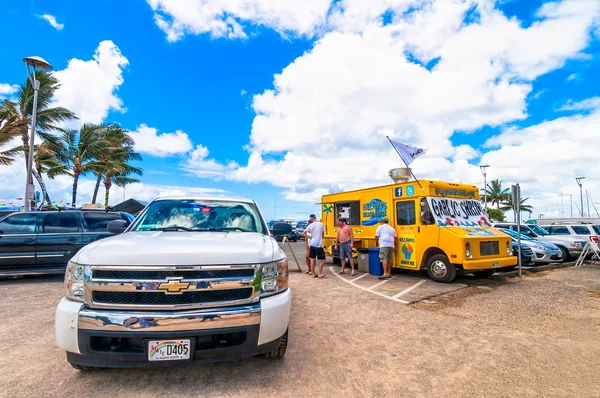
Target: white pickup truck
[(191, 279)]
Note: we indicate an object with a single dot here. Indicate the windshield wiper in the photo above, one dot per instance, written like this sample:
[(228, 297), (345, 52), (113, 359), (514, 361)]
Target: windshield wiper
[(171, 228), (229, 229)]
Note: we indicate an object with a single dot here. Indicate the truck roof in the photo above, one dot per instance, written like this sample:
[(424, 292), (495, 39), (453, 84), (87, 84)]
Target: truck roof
[(424, 183)]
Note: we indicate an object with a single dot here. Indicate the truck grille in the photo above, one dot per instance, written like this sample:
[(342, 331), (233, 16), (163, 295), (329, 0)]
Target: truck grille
[(170, 287), (160, 298), (160, 275), (489, 248)]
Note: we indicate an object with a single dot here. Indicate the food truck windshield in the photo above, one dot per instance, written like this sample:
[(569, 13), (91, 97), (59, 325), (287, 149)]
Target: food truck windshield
[(451, 212)]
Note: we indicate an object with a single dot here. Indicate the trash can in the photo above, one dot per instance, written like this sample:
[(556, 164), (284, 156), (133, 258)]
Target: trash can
[(375, 267), (363, 260)]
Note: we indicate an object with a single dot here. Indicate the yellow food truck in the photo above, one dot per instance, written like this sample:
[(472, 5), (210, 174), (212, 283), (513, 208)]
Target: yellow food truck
[(441, 227)]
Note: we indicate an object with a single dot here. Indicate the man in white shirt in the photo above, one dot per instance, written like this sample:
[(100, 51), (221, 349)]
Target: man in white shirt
[(315, 232), (385, 238)]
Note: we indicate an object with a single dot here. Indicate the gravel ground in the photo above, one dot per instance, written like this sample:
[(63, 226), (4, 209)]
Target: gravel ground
[(535, 338)]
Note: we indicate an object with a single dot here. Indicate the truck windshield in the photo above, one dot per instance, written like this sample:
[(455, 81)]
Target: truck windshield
[(451, 212), (538, 230), (200, 215)]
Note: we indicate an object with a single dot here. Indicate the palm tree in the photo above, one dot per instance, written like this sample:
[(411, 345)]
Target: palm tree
[(507, 205), (120, 180), (495, 194), (78, 153), (8, 122), (116, 157), (48, 117)]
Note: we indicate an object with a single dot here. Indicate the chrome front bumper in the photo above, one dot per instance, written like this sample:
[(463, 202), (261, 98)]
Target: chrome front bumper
[(166, 321)]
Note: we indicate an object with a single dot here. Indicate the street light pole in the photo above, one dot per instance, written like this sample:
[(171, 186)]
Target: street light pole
[(483, 167), (578, 179), (33, 62)]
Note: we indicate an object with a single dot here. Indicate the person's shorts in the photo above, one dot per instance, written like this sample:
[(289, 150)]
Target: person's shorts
[(385, 254), (317, 252), (345, 251)]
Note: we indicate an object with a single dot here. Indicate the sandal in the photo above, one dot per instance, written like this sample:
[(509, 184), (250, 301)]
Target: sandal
[(322, 276), (315, 276), (342, 272), (353, 274)]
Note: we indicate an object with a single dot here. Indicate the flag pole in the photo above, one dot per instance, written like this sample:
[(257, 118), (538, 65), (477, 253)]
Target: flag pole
[(409, 169)]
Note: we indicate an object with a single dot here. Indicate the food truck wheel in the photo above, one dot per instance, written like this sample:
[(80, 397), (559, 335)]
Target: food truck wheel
[(439, 269)]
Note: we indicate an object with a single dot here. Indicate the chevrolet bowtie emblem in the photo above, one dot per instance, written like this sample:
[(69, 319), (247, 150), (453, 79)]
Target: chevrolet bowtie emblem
[(174, 286)]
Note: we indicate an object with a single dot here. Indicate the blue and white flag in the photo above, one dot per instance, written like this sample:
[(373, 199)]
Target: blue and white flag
[(408, 153)]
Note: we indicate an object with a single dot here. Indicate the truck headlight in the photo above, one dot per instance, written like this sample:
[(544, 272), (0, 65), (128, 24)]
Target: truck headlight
[(509, 250), (468, 251), (273, 278), (74, 281)]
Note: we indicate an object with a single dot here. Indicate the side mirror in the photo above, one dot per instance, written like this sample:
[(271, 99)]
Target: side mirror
[(281, 228), (116, 226)]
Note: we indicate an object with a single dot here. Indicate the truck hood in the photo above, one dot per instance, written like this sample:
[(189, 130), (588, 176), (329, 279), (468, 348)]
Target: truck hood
[(181, 248)]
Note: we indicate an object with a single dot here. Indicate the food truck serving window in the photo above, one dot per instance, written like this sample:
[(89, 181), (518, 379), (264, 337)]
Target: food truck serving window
[(349, 211), (405, 213)]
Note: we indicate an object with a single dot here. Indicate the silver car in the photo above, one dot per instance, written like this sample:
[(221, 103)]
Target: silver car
[(544, 252)]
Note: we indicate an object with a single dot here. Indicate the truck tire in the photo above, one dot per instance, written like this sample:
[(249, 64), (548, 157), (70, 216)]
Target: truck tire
[(485, 273), (83, 368), (440, 269), (279, 351)]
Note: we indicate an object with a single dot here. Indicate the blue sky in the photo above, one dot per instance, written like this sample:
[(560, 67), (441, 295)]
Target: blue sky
[(184, 76)]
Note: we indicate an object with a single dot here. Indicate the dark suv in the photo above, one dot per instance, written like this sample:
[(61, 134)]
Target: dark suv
[(43, 242)]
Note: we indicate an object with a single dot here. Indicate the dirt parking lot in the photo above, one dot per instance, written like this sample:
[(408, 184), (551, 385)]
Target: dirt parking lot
[(535, 337)]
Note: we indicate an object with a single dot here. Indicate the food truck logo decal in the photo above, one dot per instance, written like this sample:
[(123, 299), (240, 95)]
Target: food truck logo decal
[(407, 249), (373, 212), (458, 212), (454, 192)]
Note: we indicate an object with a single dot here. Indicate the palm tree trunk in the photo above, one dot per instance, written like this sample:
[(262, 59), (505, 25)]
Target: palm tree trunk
[(96, 189), (107, 185), (75, 181)]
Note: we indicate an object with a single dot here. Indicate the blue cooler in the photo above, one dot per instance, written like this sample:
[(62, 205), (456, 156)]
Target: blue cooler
[(375, 267)]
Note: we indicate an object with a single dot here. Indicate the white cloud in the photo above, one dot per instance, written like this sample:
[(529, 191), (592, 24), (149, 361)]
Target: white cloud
[(88, 88), (586, 104), (571, 77), (230, 18), (200, 165), (7, 90), (323, 125), (52, 21), (149, 141)]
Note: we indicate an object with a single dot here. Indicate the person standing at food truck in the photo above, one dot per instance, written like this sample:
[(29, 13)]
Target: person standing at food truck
[(316, 231), (307, 251), (345, 239), (385, 238)]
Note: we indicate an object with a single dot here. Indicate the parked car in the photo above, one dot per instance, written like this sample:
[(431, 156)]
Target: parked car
[(292, 236), (173, 289), (300, 227), (577, 229), (544, 252), (570, 246), (43, 242), (527, 256)]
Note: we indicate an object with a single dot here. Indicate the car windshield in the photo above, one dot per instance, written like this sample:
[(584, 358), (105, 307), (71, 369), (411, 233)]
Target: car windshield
[(538, 230), (200, 215), (514, 234), (301, 225)]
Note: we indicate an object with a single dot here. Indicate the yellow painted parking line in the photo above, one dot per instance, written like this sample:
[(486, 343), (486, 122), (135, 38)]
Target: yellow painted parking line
[(365, 289), (378, 284), (416, 285)]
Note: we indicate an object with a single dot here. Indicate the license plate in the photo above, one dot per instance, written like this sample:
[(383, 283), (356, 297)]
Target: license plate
[(495, 264), (169, 350)]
